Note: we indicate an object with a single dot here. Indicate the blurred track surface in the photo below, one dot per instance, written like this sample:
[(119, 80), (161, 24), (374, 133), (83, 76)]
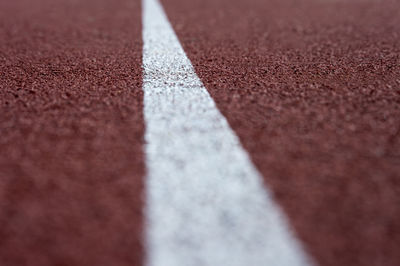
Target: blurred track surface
[(312, 89), (71, 127)]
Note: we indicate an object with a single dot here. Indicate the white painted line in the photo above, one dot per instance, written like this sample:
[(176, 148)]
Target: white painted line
[(206, 203)]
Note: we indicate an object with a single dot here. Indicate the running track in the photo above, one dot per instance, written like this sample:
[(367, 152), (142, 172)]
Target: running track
[(309, 89)]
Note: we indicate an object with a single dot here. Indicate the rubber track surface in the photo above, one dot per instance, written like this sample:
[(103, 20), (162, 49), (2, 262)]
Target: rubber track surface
[(312, 88), (71, 162)]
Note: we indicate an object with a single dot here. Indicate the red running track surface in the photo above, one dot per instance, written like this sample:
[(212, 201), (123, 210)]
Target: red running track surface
[(311, 87), (71, 161)]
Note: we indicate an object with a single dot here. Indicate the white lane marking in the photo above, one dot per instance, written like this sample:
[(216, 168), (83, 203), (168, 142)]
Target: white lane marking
[(206, 203)]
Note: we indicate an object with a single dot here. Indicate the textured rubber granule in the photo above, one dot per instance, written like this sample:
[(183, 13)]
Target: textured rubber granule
[(312, 88), (71, 133)]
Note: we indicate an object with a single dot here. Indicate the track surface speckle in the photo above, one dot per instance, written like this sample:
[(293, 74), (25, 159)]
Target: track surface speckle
[(312, 88), (71, 163)]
